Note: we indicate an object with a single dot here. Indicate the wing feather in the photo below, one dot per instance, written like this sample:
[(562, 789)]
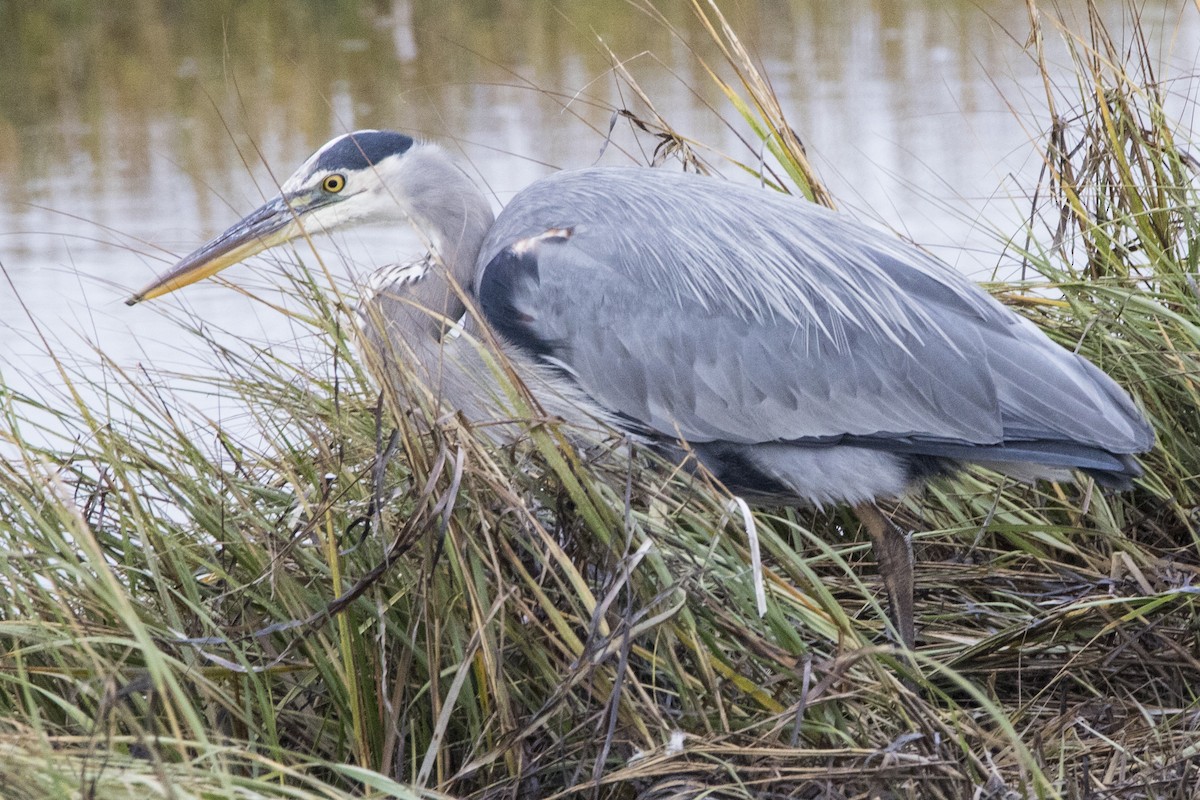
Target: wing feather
[(722, 313)]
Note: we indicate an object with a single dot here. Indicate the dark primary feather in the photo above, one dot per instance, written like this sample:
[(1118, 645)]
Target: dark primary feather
[(727, 314)]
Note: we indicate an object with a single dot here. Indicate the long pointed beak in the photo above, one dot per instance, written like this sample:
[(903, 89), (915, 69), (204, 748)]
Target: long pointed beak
[(267, 226)]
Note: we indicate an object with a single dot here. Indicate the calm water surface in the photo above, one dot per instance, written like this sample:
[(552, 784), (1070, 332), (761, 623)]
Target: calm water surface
[(130, 132)]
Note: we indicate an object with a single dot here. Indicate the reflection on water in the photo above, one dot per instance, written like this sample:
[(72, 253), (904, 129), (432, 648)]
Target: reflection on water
[(129, 132)]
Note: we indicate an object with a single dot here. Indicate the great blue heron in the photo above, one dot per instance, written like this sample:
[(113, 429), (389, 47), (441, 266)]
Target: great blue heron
[(800, 356)]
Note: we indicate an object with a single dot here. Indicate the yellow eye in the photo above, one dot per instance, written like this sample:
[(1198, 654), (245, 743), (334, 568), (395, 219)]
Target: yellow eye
[(334, 183)]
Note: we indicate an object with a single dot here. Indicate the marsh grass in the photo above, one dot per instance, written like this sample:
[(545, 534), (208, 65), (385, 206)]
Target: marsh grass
[(328, 595)]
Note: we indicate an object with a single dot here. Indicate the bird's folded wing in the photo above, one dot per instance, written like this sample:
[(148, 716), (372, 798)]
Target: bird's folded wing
[(708, 374), (716, 312)]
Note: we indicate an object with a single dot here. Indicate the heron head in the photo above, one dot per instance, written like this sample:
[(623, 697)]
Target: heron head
[(349, 180)]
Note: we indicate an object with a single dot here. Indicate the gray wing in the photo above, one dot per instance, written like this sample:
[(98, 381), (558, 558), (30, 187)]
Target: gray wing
[(715, 312)]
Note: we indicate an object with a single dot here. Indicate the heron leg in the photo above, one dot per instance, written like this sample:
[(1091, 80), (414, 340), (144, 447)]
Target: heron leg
[(893, 552)]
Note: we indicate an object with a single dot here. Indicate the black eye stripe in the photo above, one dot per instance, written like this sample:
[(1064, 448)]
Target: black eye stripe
[(362, 149)]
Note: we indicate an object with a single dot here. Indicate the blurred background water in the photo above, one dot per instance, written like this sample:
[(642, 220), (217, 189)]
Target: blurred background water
[(131, 131)]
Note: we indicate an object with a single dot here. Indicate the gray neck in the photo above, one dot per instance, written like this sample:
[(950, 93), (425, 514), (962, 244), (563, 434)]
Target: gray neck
[(453, 216), (405, 322), (407, 316)]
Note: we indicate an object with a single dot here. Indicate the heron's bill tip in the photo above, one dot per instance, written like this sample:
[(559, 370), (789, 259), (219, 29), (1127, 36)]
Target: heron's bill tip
[(199, 265), (265, 228)]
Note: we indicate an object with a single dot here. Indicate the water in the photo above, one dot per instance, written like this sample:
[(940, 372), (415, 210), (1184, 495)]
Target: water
[(131, 132)]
